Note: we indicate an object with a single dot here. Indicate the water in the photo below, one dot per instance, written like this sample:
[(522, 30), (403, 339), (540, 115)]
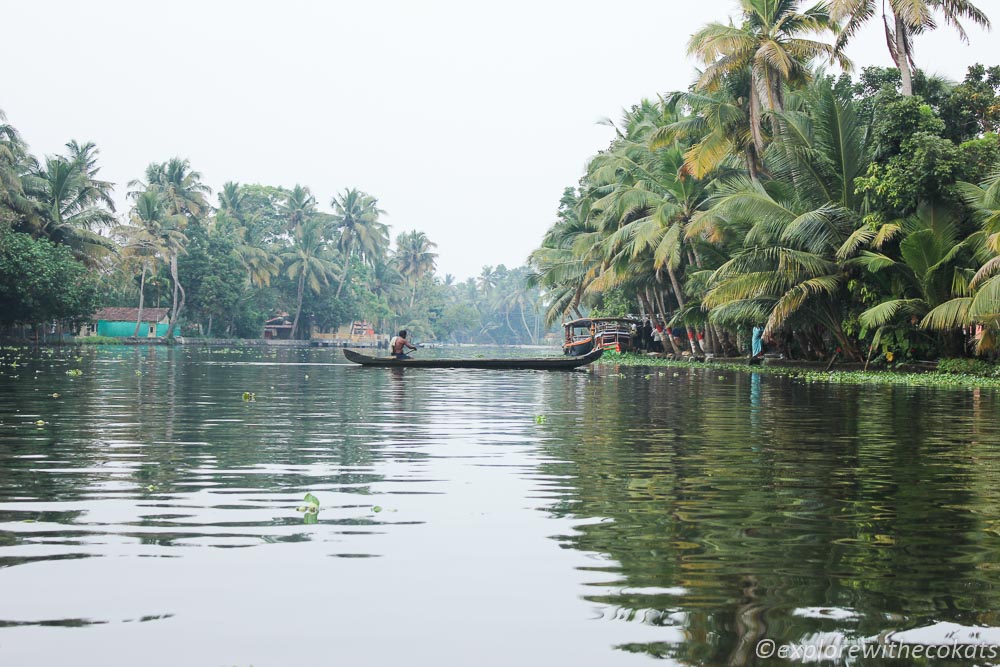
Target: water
[(599, 517)]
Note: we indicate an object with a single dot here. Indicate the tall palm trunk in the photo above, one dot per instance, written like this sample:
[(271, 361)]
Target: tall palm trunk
[(298, 306), (343, 278), (902, 58), (142, 297), (179, 296), (527, 329), (679, 295)]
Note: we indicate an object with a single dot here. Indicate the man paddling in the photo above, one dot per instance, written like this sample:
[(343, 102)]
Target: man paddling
[(398, 345)]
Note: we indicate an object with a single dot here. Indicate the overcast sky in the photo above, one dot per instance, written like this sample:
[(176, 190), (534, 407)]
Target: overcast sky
[(466, 119)]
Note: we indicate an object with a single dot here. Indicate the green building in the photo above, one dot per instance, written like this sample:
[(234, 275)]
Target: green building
[(120, 323)]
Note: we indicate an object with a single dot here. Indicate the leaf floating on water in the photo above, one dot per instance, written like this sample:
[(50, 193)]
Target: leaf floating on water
[(249, 396), (376, 509), (539, 419), (74, 372)]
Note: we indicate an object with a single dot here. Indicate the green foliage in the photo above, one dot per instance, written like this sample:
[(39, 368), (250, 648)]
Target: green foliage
[(613, 303), (967, 367), (98, 340), (922, 169), (311, 505), (979, 158), (41, 282), (973, 107)]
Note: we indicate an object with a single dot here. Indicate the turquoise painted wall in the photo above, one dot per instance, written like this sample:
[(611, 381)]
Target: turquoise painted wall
[(126, 329)]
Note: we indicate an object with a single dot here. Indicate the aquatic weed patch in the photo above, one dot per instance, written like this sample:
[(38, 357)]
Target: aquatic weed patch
[(934, 379)]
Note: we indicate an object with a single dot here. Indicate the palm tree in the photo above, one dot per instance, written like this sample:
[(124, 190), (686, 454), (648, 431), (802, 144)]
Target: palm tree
[(148, 238), (306, 263), (768, 44), (15, 163), (650, 200), (414, 258), (71, 205), (356, 218), (569, 258), (716, 128), (979, 302), (183, 197), (799, 234), (909, 18), (231, 221), (932, 263), (298, 208)]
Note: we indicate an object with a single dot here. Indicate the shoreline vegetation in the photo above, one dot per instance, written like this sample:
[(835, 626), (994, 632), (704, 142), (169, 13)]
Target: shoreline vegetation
[(851, 215), (902, 374)]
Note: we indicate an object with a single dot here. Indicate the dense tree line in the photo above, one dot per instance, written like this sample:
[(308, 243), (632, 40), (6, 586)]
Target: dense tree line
[(852, 215), (224, 269)]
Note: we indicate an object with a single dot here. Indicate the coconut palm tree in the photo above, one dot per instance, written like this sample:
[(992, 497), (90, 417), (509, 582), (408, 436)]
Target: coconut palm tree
[(360, 232), (72, 207), (716, 127), (932, 264), (908, 19), (978, 304), (182, 193), (298, 208), (307, 263), (147, 238), (770, 45), (231, 221), (799, 233), (414, 258), (569, 258)]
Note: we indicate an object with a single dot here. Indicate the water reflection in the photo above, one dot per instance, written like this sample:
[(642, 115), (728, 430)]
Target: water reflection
[(597, 516), (743, 500)]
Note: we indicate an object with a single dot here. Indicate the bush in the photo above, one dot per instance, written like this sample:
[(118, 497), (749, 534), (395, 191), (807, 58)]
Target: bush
[(966, 367)]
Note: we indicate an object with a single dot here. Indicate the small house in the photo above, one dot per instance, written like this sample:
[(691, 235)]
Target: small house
[(278, 328), (120, 323)]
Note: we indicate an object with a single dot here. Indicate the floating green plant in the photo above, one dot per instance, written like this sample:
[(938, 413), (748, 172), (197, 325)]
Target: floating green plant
[(377, 509), (249, 396), (74, 372), (539, 419), (311, 505)]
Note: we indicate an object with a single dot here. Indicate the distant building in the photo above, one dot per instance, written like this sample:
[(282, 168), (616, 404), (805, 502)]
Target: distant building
[(278, 328), (120, 323), (356, 334)]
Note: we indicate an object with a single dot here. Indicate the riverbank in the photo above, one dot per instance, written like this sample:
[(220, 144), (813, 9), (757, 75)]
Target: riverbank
[(903, 375)]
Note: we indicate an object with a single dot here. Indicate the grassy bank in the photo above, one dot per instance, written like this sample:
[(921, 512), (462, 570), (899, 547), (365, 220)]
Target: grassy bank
[(881, 377)]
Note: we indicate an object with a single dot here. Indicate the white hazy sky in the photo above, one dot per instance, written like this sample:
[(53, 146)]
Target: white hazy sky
[(466, 119)]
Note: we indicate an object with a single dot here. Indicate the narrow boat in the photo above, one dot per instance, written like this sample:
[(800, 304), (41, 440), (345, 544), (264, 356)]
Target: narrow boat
[(514, 363)]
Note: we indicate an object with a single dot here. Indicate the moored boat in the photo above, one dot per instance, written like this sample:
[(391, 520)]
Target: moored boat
[(605, 333), (513, 363)]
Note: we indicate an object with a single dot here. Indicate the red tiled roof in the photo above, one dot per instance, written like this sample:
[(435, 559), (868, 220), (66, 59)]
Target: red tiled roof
[(130, 314)]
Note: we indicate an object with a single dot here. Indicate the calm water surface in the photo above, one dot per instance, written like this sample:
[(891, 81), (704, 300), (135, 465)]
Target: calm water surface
[(599, 517)]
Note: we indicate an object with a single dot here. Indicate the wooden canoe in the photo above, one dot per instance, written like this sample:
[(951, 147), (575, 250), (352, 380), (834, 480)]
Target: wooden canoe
[(513, 363)]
